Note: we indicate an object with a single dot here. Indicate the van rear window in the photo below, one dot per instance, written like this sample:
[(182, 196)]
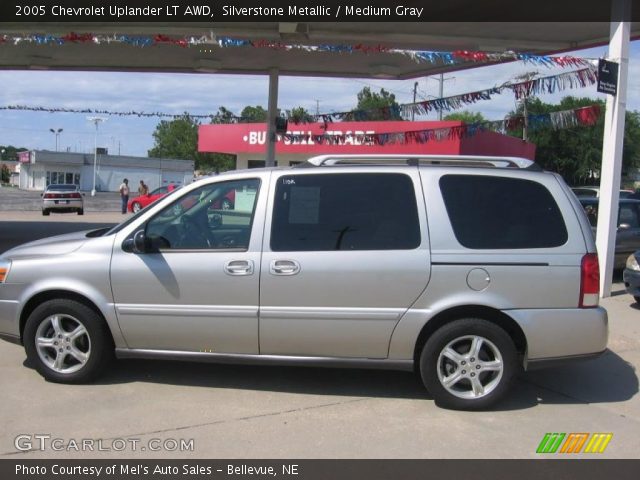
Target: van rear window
[(489, 212)]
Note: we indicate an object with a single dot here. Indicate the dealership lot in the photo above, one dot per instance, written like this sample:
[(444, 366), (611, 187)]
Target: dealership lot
[(223, 411)]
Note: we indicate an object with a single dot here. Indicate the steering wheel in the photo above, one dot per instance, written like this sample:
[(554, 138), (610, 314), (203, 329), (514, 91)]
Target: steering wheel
[(193, 234)]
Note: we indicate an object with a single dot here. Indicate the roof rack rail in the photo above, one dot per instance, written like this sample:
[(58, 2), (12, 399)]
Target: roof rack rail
[(418, 159)]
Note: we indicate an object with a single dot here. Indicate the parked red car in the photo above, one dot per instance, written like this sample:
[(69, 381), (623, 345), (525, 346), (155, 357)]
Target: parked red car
[(138, 203)]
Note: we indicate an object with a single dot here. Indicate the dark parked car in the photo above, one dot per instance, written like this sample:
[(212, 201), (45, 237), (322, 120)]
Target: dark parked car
[(628, 235), (595, 192), (631, 276)]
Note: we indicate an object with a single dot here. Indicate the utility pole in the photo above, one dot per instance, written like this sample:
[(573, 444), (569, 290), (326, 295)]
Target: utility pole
[(96, 121), (317, 107), (441, 79), (525, 77), (415, 92)]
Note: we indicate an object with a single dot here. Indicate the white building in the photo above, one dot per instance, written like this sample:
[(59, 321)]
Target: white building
[(42, 168)]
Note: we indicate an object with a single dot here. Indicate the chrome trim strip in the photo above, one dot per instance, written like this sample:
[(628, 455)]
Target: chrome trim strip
[(318, 313), (251, 359), (187, 310), (492, 264)]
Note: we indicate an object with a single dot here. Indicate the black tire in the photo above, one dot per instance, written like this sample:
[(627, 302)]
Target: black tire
[(468, 370), (45, 213), (637, 299), (81, 211), (96, 341), (136, 207)]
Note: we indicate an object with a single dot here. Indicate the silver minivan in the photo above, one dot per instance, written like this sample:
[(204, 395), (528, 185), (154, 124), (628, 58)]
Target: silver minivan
[(464, 269)]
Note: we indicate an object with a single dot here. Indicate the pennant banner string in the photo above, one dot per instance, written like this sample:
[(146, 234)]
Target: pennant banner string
[(549, 84), (585, 116), (212, 41)]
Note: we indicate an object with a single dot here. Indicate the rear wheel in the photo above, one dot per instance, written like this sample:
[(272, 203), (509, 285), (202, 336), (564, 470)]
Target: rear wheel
[(81, 211), (468, 364), (67, 341), (45, 212), (637, 299)]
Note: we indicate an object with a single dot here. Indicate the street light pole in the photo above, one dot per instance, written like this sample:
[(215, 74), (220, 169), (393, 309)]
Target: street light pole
[(96, 121), (57, 134)]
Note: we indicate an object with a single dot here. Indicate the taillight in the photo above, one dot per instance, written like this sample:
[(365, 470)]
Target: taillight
[(48, 195), (589, 281), (75, 195)]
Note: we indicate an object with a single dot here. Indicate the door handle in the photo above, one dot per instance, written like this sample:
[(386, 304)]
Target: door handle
[(239, 267), (284, 267)]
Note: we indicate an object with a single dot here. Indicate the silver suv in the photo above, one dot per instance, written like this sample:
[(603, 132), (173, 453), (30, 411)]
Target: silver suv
[(465, 269)]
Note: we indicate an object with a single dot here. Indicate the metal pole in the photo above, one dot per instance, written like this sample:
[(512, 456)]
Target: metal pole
[(525, 127), (57, 134), (415, 91), (612, 145), (96, 121), (441, 94), (271, 118), (95, 160)]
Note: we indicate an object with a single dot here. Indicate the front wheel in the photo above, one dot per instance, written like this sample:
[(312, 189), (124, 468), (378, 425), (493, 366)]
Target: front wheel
[(136, 207), (468, 364), (67, 341)]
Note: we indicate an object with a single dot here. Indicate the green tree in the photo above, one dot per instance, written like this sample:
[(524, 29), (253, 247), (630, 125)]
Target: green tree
[(466, 117), (299, 115), (376, 106), (576, 153), (223, 115), (251, 114), (10, 153), (5, 174), (178, 139)]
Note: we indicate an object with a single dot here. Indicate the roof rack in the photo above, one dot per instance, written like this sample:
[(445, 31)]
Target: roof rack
[(414, 160)]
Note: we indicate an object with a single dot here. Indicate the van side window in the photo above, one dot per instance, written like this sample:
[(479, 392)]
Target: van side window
[(324, 212), (489, 212), (215, 216)]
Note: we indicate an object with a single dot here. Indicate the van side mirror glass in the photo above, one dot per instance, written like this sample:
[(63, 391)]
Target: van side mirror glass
[(139, 242)]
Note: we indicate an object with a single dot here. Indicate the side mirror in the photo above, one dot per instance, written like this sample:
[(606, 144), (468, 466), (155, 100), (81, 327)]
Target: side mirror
[(139, 242)]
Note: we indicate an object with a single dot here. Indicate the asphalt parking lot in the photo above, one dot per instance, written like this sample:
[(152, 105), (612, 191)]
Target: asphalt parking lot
[(278, 412)]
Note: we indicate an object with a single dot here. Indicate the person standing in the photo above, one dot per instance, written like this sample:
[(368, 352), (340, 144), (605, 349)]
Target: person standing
[(143, 189), (124, 194)]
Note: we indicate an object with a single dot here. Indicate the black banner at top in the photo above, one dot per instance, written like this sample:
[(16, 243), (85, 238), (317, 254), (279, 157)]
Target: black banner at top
[(311, 11)]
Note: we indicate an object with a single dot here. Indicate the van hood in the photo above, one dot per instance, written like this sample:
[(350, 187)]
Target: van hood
[(58, 245)]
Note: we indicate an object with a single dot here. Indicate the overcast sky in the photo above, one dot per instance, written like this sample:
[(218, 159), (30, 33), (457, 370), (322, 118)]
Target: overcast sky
[(204, 93)]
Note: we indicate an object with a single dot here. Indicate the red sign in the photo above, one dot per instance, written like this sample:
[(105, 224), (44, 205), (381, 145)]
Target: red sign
[(252, 138)]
